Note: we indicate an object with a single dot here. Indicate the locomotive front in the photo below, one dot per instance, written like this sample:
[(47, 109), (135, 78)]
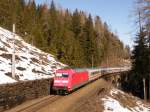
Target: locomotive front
[(62, 81)]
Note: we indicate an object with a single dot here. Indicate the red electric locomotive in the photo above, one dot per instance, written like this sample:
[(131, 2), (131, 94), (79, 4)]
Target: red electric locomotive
[(67, 80)]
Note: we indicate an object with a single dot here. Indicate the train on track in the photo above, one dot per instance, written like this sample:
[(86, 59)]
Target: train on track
[(68, 80)]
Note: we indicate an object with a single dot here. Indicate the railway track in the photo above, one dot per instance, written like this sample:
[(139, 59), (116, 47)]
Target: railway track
[(78, 100), (37, 105), (33, 107)]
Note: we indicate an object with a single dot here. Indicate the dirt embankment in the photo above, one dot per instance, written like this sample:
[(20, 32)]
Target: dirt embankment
[(98, 96), (83, 100)]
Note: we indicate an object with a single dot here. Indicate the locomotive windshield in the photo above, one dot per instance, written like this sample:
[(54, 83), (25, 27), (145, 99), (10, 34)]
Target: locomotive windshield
[(62, 75)]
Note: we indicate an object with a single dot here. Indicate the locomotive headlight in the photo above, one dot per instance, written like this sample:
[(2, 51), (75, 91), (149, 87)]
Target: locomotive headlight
[(56, 81), (65, 81)]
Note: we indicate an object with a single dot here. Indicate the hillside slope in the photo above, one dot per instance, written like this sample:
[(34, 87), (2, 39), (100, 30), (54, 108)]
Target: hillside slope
[(119, 101), (31, 63), (102, 96)]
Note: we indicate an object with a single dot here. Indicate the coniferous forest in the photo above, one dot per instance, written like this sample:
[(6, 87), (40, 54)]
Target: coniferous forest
[(75, 38), (138, 79)]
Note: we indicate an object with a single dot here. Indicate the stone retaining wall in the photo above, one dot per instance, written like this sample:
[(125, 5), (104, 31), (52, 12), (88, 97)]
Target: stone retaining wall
[(16, 93)]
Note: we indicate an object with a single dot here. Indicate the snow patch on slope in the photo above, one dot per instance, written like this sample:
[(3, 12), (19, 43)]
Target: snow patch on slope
[(114, 103), (31, 63), (5, 79)]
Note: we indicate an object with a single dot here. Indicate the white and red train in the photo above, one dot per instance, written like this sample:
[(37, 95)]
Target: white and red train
[(67, 80)]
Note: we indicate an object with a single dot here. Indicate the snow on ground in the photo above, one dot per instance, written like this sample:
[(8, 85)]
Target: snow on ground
[(118, 101), (31, 63), (5, 79), (112, 105)]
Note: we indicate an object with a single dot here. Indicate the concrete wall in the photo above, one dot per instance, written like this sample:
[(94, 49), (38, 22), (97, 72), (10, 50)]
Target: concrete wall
[(16, 93)]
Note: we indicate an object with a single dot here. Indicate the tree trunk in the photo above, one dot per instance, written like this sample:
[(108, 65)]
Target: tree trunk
[(144, 87), (149, 89)]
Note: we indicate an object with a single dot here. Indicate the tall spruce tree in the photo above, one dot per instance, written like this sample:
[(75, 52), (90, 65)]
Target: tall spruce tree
[(76, 23), (139, 62)]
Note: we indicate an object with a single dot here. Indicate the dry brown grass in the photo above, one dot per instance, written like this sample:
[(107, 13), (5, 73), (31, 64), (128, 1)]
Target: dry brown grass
[(125, 100), (21, 68), (9, 56), (3, 49)]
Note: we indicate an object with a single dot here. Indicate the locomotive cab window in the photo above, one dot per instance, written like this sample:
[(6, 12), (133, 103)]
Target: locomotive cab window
[(62, 75), (65, 75)]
